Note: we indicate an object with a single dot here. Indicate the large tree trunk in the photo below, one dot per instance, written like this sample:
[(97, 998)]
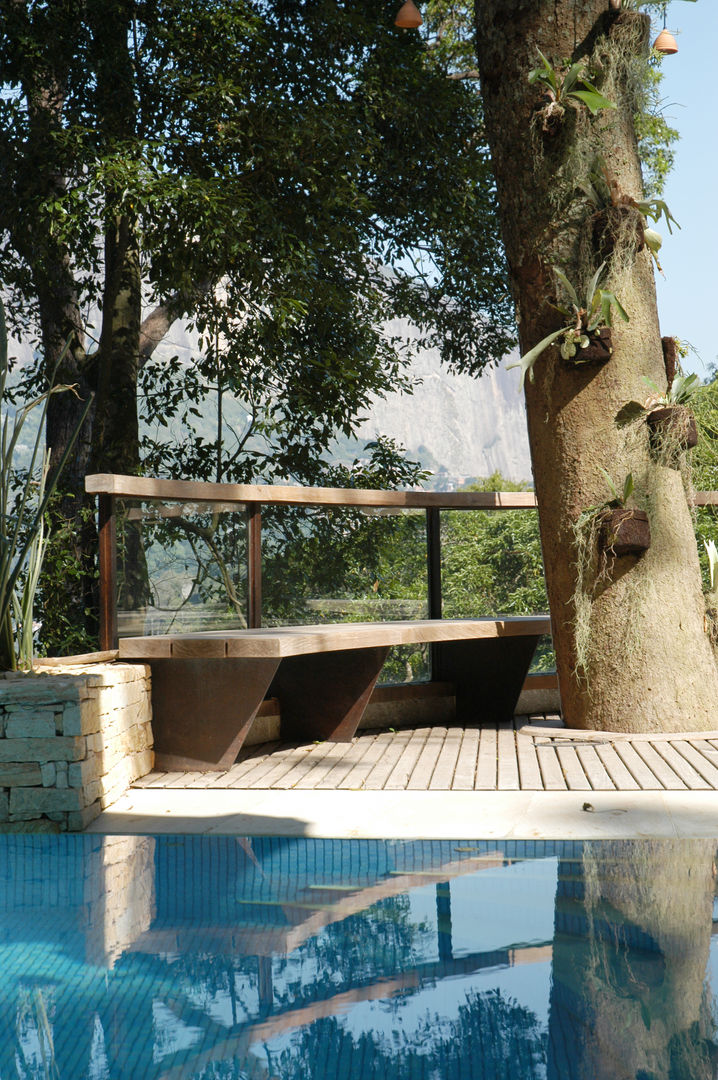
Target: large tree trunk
[(631, 648)]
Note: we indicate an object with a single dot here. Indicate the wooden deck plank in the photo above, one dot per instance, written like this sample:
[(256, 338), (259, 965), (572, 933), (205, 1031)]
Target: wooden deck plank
[(250, 760), (485, 758), (508, 769), (380, 773), (689, 751), (529, 768), (642, 774), (594, 768), (443, 775), (310, 762), (709, 755), (668, 778), (352, 756), (257, 776), (400, 774), (617, 771), (465, 771), (357, 776), (487, 761), (551, 771), (423, 771), (576, 779)]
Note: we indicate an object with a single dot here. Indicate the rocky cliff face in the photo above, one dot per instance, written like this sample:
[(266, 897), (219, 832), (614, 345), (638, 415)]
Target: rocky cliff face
[(458, 426)]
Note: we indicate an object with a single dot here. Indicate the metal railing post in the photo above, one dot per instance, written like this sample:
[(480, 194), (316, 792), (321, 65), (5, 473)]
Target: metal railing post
[(108, 572), (254, 566), (433, 559)]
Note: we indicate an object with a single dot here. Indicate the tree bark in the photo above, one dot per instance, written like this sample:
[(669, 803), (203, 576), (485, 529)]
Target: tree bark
[(631, 648)]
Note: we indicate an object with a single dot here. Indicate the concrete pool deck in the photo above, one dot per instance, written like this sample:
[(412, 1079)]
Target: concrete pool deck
[(414, 814)]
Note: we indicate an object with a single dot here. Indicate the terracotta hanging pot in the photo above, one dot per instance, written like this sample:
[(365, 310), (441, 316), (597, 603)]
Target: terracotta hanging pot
[(409, 16), (598, 350), (625, 532), (674, 426), (666, 43)]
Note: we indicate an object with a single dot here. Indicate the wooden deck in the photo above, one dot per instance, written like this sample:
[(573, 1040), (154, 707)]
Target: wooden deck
[(532, 754)]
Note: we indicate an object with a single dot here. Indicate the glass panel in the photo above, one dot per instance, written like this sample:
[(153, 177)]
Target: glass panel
[(491, 564), (181, 567), (332, 564)]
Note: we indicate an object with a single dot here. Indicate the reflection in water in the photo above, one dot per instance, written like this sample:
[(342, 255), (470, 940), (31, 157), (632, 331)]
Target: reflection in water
[(123, 958)]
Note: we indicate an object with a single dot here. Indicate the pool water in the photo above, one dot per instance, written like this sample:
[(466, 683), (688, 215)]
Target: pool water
[(177, 958)]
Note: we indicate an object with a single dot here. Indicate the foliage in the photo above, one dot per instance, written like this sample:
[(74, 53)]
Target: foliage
[(23, 503), (619, 497), (585, 317), (682, 390), (573, 84)]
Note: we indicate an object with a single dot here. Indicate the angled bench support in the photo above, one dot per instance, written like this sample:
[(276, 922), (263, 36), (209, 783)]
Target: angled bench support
[(202, 709), (488, 675), (324, 695)]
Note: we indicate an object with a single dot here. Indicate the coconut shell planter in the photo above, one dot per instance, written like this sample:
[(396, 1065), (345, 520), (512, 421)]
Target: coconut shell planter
[(672, 425), (598, 350), (625, 532)]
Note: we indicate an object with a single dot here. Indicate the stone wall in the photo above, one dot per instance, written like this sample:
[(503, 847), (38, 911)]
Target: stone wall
[(72, 740)]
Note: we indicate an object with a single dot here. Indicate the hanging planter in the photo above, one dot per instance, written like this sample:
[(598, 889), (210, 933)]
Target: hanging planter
[(598, 350), (625, 531), (615, 227), (673, 425)]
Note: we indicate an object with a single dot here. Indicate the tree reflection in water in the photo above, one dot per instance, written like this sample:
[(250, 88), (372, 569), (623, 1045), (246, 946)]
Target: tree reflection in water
[(629, 997)]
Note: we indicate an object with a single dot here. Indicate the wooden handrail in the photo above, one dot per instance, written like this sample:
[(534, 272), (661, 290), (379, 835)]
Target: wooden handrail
[(145, 487)]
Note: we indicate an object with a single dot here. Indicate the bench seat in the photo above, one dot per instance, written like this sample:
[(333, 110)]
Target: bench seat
[(207, 687)]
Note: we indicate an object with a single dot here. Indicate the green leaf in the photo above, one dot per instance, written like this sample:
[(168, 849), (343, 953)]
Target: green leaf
[(593, 100), (592, 285), (611, 486), (573, 296), (528, 360)]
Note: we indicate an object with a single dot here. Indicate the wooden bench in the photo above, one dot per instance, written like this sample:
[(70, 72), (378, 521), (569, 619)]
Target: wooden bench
[(207, 687)]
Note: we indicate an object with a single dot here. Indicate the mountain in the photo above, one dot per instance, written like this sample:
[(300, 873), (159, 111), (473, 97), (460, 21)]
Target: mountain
[(458, 426)]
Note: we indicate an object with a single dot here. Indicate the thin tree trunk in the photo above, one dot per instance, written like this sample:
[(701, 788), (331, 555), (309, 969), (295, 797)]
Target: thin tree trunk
[(631, 648)]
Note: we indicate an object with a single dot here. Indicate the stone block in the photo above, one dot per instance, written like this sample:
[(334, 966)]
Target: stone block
[(48, 772), (30, 726), (81, 719), (42, 750), (38, 690), (4, 806), (21, 774), (38, 825), (61, 774), (27, 801), (77, 820), (81, 773)]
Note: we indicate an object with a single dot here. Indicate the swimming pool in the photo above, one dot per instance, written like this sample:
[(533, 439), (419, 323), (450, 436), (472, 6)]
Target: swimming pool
[(278, 958)]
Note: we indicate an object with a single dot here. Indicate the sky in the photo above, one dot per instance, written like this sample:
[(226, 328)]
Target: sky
[(687, 297)]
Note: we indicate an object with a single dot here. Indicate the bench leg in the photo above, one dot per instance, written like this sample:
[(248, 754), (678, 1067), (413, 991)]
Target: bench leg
[(324, 695), (202, 710), (488, 674)]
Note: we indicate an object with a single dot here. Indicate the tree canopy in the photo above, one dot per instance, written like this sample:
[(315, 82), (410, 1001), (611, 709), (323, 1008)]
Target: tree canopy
[(288, 177)]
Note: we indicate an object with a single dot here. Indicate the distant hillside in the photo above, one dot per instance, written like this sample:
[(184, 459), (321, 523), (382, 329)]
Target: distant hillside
[(459, 427)]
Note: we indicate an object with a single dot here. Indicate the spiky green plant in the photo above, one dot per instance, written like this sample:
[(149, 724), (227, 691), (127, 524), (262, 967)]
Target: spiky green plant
[(23, 536)]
